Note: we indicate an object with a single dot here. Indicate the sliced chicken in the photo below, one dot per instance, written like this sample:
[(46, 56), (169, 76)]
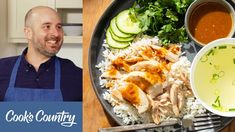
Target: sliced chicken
[(112, 73), (134, 59), (174, 98), (159, 51), (135, 96), (188, 93), (164, 53), (154, 110), (155, 47), (185, 79), (166, 103), (181, 100), (166, 66), (146, 82), (163, 96), (152, 79), (166, 110), (117, 94), (174, 48), (147, 53), (151, 66), (109, 84), (139, 81), (171, 57), (119, 63), (154, 90)]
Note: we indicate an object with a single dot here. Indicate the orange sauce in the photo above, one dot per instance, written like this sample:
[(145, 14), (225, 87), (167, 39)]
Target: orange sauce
[(130, 93), (140, 82), (210, 21), (148, 52), (120, 63), (112, 71)]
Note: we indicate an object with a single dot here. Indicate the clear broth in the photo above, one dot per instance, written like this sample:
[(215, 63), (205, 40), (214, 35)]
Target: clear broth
[(215, 77)]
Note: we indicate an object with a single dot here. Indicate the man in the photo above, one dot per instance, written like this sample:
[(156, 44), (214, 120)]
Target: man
[(38, 74)]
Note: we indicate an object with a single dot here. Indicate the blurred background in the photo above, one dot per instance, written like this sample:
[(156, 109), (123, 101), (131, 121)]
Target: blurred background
[(12, 13)]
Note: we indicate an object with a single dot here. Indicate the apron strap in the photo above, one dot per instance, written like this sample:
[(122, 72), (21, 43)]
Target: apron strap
[(14, 72), (57, 74)]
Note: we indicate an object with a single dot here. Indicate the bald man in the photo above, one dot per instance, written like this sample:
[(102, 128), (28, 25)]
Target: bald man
[(38, 74)]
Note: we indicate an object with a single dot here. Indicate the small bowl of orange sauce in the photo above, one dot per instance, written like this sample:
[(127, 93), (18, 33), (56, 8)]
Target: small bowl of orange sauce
[(208, 20)]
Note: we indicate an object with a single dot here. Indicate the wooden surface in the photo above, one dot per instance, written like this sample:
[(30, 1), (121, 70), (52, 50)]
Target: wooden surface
[(94, 116), (93, 113)]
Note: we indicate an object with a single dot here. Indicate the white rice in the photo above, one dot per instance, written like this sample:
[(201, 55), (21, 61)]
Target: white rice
[(126, 111)]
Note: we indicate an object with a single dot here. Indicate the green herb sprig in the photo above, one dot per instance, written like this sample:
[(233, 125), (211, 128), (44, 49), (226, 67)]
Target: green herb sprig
[(163, 18)]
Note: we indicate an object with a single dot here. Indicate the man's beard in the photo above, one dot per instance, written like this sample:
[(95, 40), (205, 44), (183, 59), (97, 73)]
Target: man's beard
[(43, 50)]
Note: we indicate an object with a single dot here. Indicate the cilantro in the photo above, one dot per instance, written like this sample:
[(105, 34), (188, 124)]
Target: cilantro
[(163, 18)]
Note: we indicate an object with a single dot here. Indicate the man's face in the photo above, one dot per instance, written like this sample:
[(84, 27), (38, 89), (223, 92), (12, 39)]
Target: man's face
[(47, 33)]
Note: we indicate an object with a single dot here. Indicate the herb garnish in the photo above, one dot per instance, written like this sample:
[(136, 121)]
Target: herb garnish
[(163, 18)]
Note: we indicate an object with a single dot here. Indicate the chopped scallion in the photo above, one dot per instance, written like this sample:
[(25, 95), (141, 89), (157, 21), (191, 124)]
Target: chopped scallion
[(233, 60), (217, 99), (223, 47), (231, 109), (215, 106), (215, 76), (219, 103), (210, 52), (233, 47)]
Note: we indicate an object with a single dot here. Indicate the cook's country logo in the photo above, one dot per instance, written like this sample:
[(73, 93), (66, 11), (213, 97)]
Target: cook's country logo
[(63, 118)]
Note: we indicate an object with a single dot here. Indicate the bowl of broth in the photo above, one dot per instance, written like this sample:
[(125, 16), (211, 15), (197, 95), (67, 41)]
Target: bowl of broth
[(212, 76), (208, 20)]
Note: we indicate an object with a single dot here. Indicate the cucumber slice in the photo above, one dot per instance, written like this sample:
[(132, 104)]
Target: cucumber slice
[(119, 38), (115, 44), (116, 31), (126, 25)]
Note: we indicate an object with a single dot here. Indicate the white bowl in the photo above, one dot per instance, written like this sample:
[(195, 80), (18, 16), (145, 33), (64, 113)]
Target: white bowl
[(213, 75), (72, 29)]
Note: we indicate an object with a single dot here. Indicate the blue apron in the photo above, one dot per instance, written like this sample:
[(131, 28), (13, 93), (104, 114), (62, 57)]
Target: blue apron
[(32, 94)]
